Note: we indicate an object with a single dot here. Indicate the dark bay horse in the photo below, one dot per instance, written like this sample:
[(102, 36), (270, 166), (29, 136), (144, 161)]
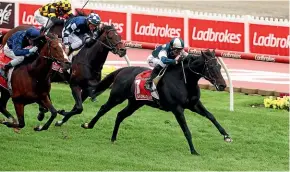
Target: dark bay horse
[(30, 82), (174, 94), (87, 65)]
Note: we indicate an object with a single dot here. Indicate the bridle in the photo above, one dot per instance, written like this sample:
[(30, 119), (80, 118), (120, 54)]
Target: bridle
[(112, 47), (205, 69), (50, 56)]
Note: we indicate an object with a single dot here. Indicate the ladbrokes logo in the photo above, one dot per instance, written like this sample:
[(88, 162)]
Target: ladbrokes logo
[(152, 30), (26, 14), (215, 36), (156, 29), (7, 15), (271, 41), (118, 26)]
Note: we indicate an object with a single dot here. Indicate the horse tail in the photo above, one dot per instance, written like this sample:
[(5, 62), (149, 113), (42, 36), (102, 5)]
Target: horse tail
[(106, 83)]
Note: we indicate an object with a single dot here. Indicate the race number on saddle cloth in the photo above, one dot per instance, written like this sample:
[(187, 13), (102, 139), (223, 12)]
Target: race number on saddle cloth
[(80, 30), (16, 48), (164, 55), (140, 92), (51, 14)]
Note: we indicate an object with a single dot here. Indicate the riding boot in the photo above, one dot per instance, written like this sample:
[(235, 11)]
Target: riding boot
[(5, 69), (154, 74)]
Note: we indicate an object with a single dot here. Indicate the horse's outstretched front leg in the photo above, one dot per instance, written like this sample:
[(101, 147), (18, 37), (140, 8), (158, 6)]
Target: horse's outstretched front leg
[(200, 109), (179, 115), (80, 97), (47, 103)]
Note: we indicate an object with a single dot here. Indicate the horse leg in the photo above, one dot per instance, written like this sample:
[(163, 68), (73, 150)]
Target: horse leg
[(42, 111), (112, 102), (200, 109), (3, 104), (19, 108), (127, 111), (179, 115), (47, 103), (79, 97)]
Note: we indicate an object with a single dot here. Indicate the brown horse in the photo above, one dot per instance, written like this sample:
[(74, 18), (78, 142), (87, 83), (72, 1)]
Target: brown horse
[(30, 82)]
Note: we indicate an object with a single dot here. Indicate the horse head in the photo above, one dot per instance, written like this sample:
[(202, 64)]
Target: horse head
[(111, 39), (49, 48), (207, 66)]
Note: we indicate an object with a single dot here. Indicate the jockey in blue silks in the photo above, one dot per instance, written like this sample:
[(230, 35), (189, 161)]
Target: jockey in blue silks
[(77, 30), (164, 55), (15, 47)]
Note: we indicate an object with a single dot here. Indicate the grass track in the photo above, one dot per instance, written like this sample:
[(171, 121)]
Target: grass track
[(151, 139)]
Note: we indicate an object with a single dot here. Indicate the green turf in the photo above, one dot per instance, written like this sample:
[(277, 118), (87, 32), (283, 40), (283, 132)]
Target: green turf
[(150, 139)]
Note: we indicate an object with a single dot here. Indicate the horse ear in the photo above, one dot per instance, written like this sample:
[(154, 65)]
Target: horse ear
[(213, 52)]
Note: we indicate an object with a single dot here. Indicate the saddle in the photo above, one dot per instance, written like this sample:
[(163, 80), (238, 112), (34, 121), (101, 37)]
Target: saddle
[(141, 93)]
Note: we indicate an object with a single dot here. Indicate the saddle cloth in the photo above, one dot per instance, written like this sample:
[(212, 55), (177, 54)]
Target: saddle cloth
[(141, 93), (3, 82)]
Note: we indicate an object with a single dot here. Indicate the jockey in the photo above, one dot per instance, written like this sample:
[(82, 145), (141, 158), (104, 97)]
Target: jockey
[(164, 55), (15, 45), (49, 14), (77, 31)]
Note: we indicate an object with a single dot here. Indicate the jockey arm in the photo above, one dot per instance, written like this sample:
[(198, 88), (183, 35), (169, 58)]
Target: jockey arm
[(163, 57), (17, 46)]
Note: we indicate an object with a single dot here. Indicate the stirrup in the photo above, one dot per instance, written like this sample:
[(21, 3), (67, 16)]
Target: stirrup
[(3, 74)]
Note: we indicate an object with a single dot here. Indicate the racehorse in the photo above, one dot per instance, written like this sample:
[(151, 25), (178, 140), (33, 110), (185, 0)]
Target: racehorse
[(57, 74), (177, 90), (87, 65), (30, 82)]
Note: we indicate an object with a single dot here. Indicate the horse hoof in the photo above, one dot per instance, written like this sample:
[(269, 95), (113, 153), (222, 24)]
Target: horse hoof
[(40, 116), (58, 123), (38, 128), (85, 126), (228, 139), (16, 130), (195, 153)]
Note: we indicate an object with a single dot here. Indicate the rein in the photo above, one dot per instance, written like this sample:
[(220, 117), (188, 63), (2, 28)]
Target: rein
[(205, 67)]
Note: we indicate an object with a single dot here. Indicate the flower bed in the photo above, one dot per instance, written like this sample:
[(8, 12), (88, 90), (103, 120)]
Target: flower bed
[(277, 102)]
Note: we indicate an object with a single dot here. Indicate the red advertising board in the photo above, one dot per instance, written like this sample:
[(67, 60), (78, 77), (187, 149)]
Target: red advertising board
[(156, 29), (216, 34), (118, 19), (26, 14), (269, 39)]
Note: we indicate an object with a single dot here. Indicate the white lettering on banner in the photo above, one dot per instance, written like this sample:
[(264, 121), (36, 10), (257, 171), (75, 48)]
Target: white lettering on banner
[(29, 19), (5, 14), (212, 36), (152, 30), (118, 26), (271, 41)]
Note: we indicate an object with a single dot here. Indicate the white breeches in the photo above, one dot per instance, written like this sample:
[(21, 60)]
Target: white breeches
[(15, 59), (152, 61), (42, 20), (75, 41)]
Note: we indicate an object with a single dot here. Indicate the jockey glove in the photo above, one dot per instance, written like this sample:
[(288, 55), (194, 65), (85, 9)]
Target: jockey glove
[(33, 49)]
